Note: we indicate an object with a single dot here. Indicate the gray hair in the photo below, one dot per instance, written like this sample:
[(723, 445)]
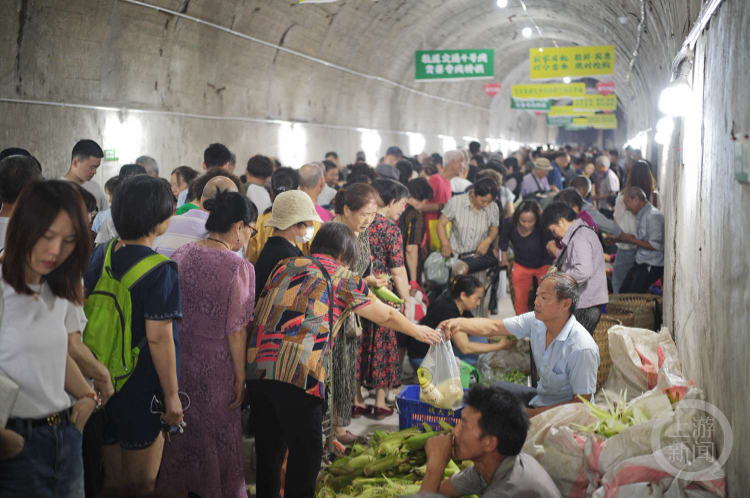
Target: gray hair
[(581, 181), (604, 160), (149, 163), (636, 193), (565, 288), (310, 175), (452, 155), (233, 158)]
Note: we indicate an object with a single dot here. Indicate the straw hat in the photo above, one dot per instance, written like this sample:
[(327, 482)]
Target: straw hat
[(290, 208), (543, 164)]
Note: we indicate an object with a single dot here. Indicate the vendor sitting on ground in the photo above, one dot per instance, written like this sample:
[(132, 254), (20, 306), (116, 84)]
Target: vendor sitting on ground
[(566, 355), (491, 434), (465, 295)]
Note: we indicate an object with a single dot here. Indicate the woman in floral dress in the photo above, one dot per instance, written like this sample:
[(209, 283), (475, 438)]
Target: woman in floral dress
[(378, 358)]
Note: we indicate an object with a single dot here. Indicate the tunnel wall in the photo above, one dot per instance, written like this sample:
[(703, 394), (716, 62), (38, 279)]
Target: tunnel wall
[(707, 289), (118, 55)]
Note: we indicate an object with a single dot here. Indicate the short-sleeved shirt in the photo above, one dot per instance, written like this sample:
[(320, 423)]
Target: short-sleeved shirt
[(96, 190), (412, 227), (386, 246), (555, 177), (292, 338), (441, 194), (182, 198), (651, 230), (470, 227), (107, 231), (99, 219), (155, 297), (325, 198), (260, 197), (532, 185), (183, 229), (530, 251), (34, 346), (567, 367), (606, 184), (519, 475)]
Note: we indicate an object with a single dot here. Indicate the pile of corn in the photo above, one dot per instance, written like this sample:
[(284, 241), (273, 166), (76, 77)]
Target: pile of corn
[(392, 464)]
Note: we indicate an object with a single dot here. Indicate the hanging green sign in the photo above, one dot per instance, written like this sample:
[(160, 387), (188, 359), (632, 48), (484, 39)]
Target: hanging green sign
[(559, 120), (110, 155), (435, 65), (530, 104)]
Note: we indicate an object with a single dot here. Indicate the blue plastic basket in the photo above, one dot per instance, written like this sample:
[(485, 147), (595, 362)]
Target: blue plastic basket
[(414, 413)]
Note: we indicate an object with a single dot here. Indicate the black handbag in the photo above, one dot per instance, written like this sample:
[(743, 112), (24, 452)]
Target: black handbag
[(477, 263)]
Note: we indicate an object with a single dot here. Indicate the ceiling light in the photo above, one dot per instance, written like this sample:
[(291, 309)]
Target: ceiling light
[(541, 49), (674, 98), (526, 32), (566, 80), (502, 3)]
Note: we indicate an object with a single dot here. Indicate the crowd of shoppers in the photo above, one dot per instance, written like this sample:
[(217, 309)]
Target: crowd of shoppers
[(259, 289)]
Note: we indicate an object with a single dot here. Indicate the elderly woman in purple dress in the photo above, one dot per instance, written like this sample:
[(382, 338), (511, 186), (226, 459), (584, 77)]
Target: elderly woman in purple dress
[(217, 301)]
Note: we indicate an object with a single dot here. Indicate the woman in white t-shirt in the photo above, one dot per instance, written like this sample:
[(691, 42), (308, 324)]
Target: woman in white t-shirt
[(42, 291)]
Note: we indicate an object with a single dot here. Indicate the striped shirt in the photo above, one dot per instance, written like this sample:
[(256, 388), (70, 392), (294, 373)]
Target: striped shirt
[(183, 229), (470, 227)]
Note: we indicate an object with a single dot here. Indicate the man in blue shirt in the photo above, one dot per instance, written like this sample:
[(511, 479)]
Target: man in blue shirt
[(566, 355), (649, 238)]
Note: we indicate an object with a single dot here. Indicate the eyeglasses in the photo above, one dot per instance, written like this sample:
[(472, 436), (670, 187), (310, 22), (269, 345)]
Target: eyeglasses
[(253, 232)]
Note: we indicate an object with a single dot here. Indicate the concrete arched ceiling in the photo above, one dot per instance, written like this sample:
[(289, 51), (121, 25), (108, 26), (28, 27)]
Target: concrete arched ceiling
[(118, 54)]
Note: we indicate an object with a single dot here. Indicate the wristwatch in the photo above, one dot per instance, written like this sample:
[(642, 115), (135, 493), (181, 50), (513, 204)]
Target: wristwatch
[(97, 401)]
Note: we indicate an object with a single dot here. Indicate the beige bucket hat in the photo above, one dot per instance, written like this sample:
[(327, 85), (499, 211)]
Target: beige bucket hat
[(290, 208), (543, 164)]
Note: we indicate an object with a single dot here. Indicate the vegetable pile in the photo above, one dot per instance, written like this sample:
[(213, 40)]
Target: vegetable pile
[(391, 464), (619, 416)]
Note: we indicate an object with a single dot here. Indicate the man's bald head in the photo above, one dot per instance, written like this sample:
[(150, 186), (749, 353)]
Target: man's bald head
[(216, 185), (310, 176)]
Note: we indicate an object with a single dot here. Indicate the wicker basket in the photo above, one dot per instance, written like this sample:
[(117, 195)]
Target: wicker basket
[(601, 336), (626, 317), (643, 306)]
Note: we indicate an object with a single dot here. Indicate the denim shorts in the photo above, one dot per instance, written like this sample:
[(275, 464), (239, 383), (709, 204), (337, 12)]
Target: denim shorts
[(128, 420), (50, 464)]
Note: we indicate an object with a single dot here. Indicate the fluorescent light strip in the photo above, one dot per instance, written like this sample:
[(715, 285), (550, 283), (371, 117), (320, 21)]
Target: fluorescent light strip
[(308, 57)]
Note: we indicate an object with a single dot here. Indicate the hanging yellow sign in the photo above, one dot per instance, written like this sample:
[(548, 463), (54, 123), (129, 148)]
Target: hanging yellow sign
[(549, 91), (601, 121), (558, 62), (596, 103), (568, 110)]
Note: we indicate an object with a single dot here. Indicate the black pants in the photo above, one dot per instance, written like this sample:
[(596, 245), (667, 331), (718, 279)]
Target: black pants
[(589, 317), (640, 278), (524, 393), (284, 416)]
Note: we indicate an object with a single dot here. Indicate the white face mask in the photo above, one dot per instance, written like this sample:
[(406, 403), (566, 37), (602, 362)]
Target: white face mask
[(307, 237)]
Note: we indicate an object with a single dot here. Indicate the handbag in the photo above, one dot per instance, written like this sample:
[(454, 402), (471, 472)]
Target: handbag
[(477, 262)]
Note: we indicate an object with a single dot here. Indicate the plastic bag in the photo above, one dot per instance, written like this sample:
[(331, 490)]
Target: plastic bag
[(437, 268), (440, 378)]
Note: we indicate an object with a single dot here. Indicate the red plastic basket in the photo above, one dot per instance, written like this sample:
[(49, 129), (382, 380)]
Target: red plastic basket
[(414, 413)]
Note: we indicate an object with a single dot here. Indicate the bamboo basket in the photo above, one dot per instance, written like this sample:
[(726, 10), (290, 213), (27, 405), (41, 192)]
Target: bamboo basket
[(643, 306), (601, 337)]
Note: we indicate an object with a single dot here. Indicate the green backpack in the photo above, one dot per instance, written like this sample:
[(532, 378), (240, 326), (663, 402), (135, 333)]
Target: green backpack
[(109, 311)]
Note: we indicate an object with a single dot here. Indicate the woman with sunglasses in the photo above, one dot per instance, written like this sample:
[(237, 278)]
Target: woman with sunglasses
[(217, 304)]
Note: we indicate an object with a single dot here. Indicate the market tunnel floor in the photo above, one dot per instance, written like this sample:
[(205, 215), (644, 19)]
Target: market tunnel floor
[(364, 426)]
